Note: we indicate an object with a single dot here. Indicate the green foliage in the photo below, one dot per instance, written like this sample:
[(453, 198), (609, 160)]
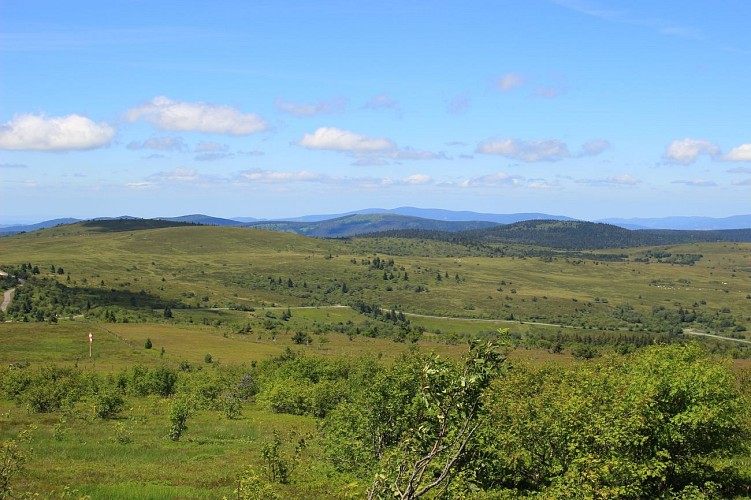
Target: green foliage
[(301, 338), (439, 442), (278, 462), (252, 486), (122, 433), (142, 381), (651, 425), (51, 387), (108, 402), (14, 453), (179, 411), (231, 404), (148, 344)]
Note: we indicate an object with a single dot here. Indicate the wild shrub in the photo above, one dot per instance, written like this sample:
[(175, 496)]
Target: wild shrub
[(252, 486), (654, 424), (179, 412), (108, 402)]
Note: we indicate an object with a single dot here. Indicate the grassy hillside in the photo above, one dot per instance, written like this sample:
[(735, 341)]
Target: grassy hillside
[(657, 289), (569, 236), (289, 356)]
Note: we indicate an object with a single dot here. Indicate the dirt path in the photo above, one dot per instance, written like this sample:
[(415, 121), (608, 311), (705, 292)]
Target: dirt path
[(7, 297), (689, 331)]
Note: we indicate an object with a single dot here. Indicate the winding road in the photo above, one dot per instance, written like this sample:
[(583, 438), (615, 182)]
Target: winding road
[(7, 297)]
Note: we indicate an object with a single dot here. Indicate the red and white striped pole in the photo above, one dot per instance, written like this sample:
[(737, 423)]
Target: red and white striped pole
[(91, 341)]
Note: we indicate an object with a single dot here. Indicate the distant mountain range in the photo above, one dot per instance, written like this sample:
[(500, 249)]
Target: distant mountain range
[(684, 223), (568, 235), (353, 225), (411, 218)]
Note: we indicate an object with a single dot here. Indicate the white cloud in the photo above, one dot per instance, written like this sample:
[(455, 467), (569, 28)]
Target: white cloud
[(741, 153), (540, 184), (696, 183), (417, 179), (270, 176), (411, 154), (662, 26), (177, 175), (210, 147), (370, 161), (594, 147), (746, 182), (625, 179), (381, 102), (159, 144), (619, 180), (168, 114), (13, 165), (500, 179), (528, 151), (510, 81), (39, 133), (342, 140), (548, 92), (319, 108), (740, 170), (686, 151), (213, 156), (140, 185)]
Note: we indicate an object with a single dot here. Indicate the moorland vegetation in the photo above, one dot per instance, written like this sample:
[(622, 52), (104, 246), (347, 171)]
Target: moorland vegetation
[(243, 363)]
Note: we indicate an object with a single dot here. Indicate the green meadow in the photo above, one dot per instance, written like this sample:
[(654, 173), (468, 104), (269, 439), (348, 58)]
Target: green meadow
[(272, 341)]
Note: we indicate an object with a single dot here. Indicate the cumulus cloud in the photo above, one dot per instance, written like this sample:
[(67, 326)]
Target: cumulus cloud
[(381, 102), (527, 151), (741, 153), (510, 81), (40, 133), (159, 144), (314, 109), (168, 114), (696, 183), (345, 141), (686, 151)]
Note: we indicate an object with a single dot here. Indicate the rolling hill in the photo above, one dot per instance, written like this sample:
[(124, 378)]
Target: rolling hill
[(353, 225), (572, 235)]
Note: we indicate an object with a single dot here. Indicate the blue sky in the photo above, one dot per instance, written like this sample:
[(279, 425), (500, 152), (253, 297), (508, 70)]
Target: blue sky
[(584, 108)]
